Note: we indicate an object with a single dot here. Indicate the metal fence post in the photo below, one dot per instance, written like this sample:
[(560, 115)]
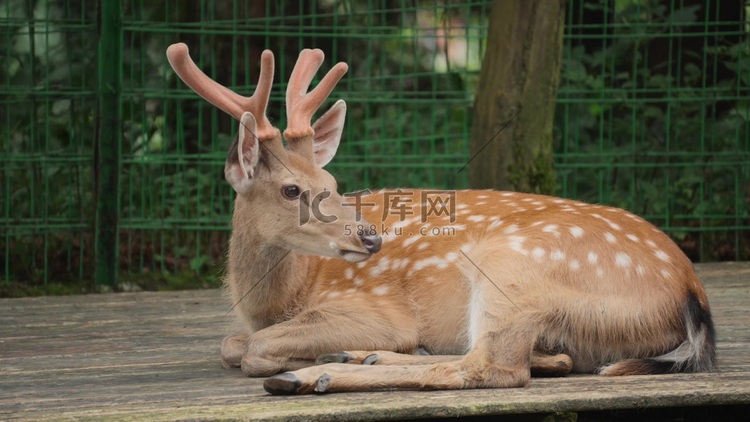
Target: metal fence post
[(107, 154)]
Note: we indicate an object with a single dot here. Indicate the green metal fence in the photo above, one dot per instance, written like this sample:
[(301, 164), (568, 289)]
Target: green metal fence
[(653, 115)]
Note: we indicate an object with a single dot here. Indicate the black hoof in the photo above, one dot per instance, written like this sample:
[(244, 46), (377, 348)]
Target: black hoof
[(341, 357), (371, 359), (323, 382), (283, 384)]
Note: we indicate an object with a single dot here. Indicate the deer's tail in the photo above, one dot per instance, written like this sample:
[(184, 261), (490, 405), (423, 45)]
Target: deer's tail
[(696, 354)]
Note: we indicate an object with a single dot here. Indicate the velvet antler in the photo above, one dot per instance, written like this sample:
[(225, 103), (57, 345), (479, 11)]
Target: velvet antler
[(225, 99), (300, 104)]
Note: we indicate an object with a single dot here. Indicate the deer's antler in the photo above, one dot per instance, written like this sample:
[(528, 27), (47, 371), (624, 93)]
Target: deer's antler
[(300, 104), (225, 99)]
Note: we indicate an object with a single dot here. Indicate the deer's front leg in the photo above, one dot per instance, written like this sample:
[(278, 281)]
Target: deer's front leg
[(327, 328), (232, 349), (235, 347)]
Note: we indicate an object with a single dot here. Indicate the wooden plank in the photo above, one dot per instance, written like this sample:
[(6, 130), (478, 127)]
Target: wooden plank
[(155, 356)]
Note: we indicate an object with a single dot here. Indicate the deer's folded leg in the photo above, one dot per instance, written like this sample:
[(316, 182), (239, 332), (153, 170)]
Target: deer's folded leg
[(232, 349), (501, 357), (324, 329), (542, 364)]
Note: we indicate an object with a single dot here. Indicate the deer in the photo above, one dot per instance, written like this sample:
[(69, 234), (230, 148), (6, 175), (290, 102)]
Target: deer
[(420, 289)]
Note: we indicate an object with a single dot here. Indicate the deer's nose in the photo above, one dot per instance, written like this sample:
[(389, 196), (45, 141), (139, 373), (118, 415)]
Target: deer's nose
[(371, 242)]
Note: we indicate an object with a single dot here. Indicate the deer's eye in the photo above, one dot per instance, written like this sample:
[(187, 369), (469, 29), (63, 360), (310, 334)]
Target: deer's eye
[(291, 191)]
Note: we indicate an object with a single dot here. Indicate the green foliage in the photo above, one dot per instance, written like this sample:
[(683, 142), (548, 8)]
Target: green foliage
[(655, 123)]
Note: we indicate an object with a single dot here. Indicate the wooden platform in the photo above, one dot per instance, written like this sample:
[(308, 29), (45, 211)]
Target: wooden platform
[(154, 356)]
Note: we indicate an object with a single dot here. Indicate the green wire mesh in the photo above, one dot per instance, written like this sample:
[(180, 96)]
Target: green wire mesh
[(653, 116)]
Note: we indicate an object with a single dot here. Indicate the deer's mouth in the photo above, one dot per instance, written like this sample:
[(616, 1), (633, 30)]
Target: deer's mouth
[(353, 256), (350, 255)]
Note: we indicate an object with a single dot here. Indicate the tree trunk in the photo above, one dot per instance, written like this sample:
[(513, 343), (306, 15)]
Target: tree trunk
[(511, 139)]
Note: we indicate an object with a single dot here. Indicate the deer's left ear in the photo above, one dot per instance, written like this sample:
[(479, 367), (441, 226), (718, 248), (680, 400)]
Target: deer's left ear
[(328, 129)]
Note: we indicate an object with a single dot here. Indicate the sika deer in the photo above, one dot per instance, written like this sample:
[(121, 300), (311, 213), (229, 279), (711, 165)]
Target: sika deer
[(493, 285)]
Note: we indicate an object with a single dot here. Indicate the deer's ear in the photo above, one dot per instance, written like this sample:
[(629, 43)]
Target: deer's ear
[(328, 129), (243, 155)]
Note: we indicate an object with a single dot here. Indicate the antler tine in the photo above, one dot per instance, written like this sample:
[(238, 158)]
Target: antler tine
[(224, 98), (301, 105)]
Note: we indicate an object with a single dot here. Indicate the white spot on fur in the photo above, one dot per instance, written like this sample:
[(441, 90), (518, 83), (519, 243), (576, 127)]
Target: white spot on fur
[(666, 273), (380, 290), (557, 255), (640, 270), (593, 257), (476, 218), (610, 237), (575, 265), (576, 231), (537, 223), (422, 246), (382, 265), (632, 237), (599, 272), (622, 259), (651, 243), (558, 201), (358, 281), (333, 295), (349, 273), (516, 243), (507, 193), (552, 228), (540, 208), (615, 226), (434, 260), (482, 197), (511, 229), (662, 255), (538, 253), (411, 240), (527, 199)]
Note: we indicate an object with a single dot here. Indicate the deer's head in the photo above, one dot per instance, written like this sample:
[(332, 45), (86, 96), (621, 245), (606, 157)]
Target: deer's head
[(284, 194)]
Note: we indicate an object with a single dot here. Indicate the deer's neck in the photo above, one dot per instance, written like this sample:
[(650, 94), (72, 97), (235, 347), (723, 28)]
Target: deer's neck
[(267, 283)]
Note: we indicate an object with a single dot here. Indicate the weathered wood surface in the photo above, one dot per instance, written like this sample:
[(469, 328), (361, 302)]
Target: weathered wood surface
[(154, 356)]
